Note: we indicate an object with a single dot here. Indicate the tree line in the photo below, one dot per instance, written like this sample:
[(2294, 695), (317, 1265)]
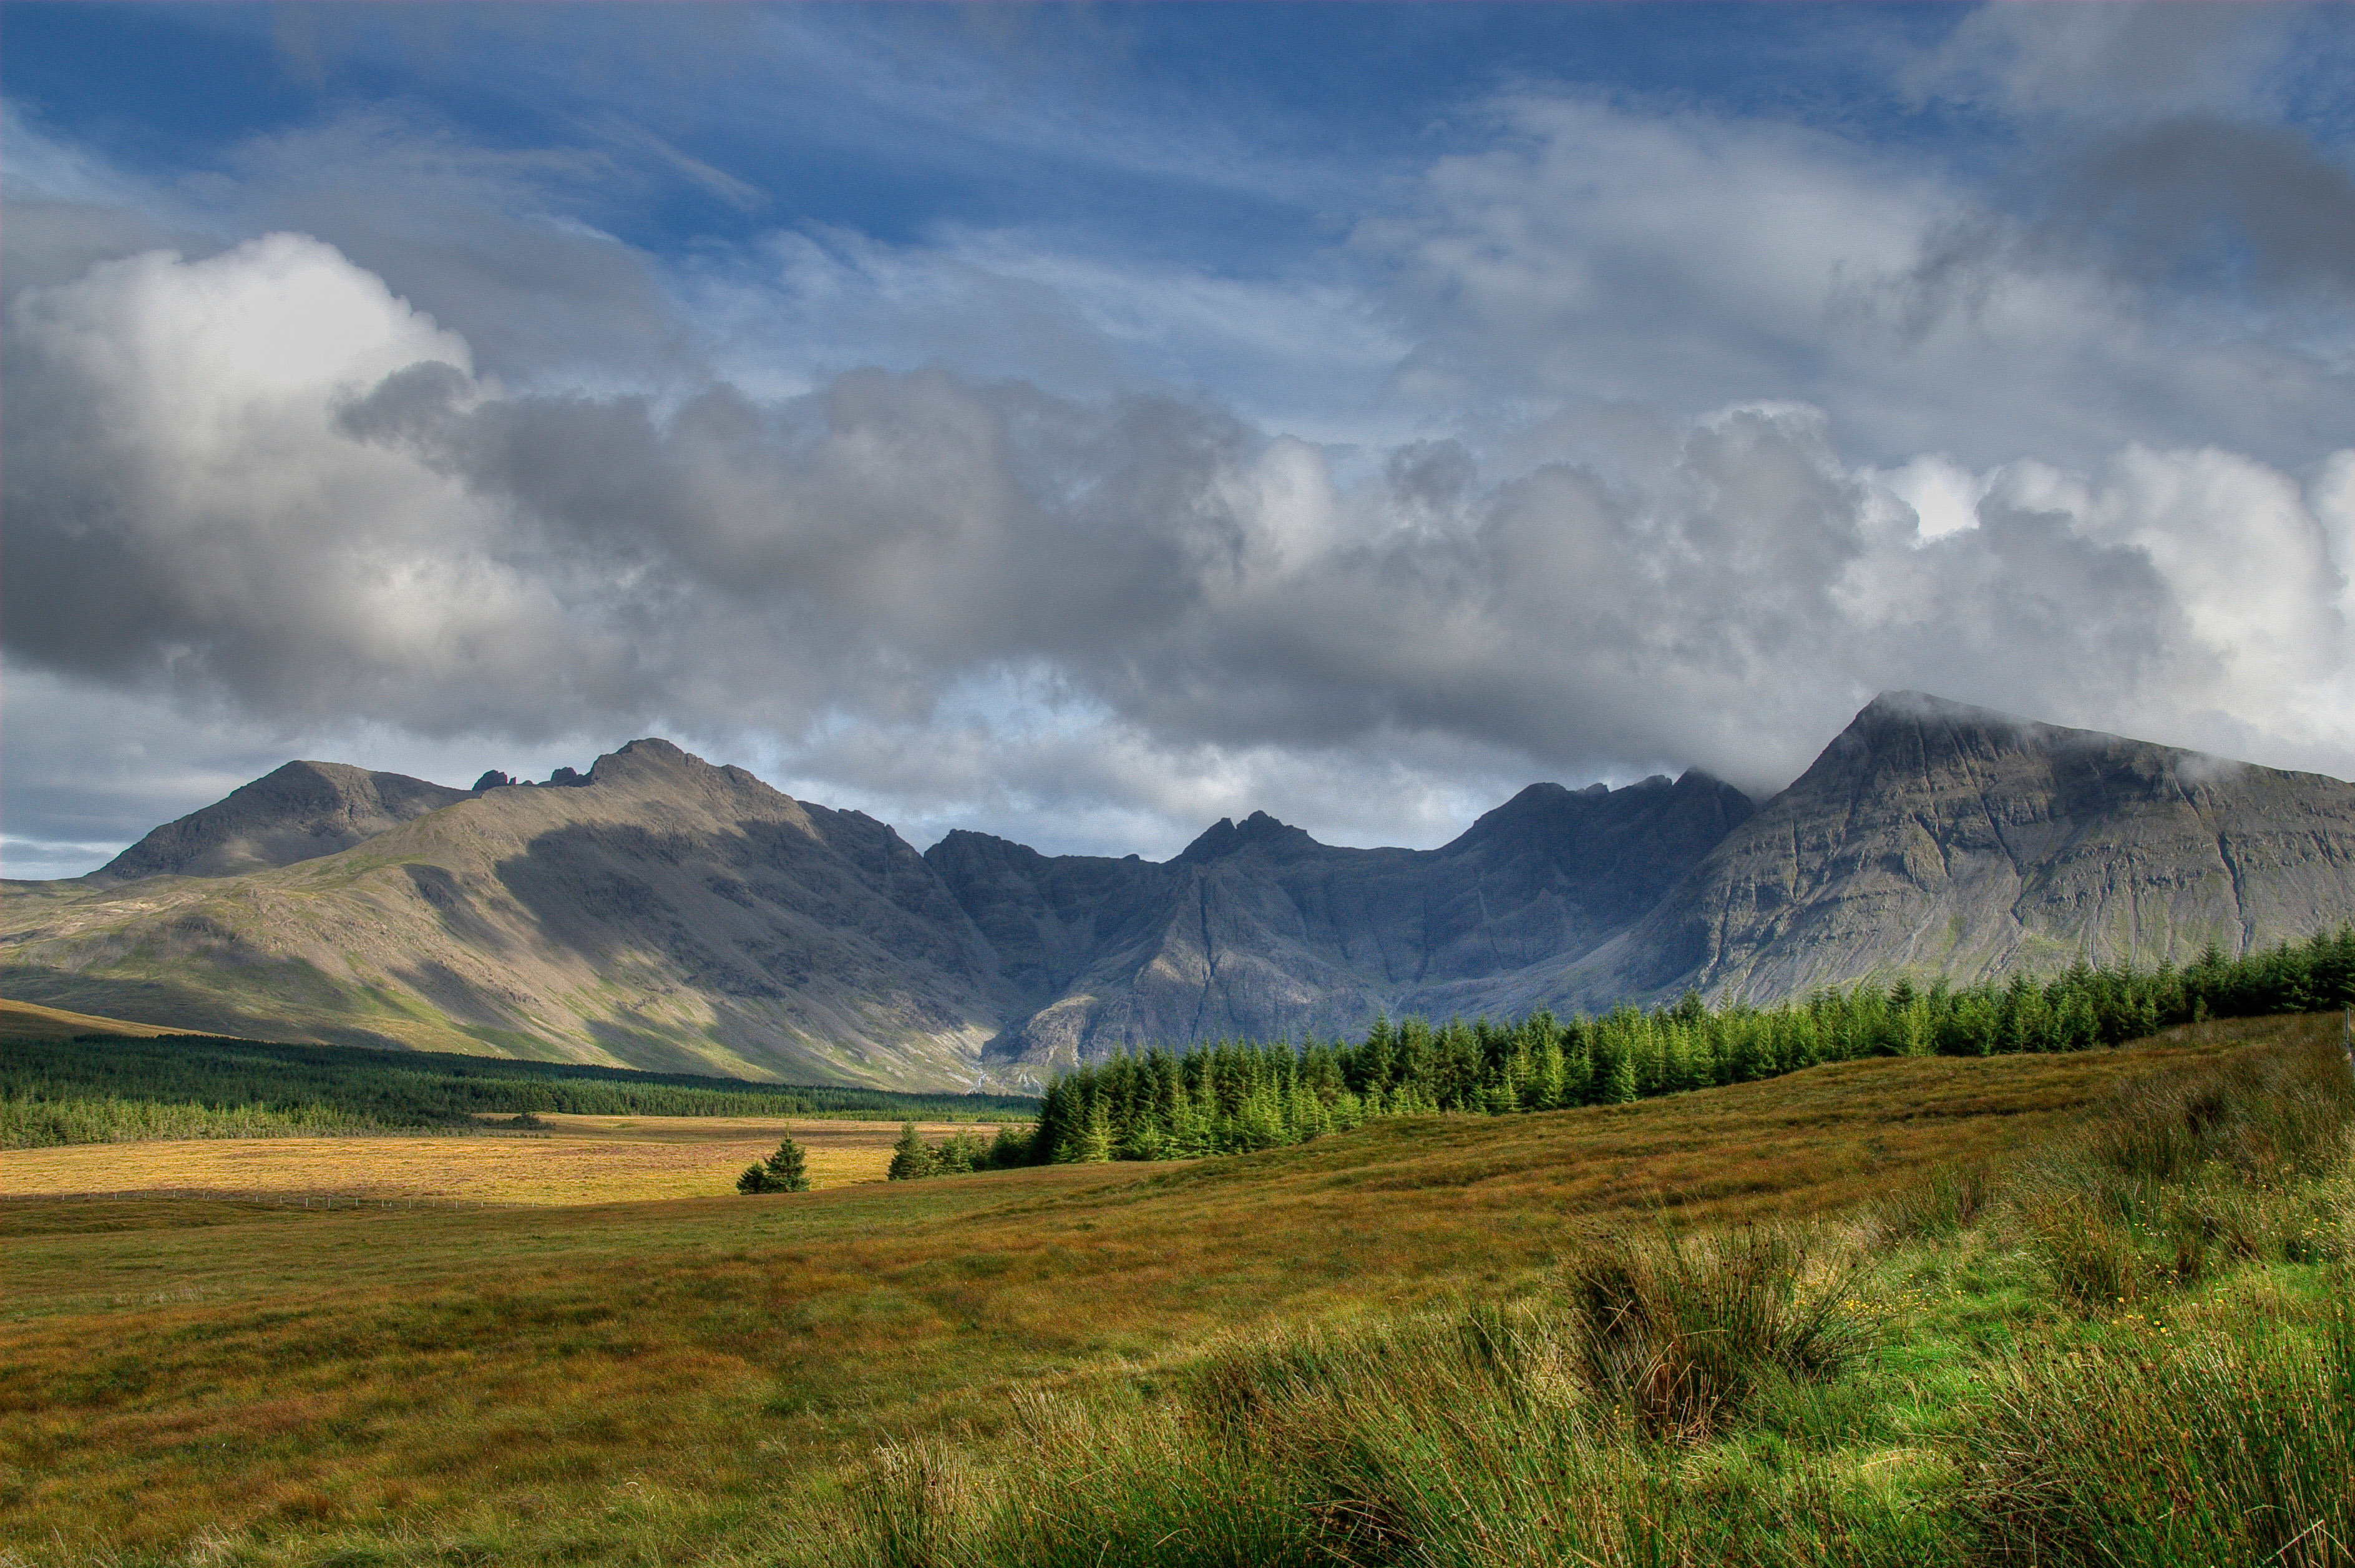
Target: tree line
[(101, 1088), (1235, 1096)]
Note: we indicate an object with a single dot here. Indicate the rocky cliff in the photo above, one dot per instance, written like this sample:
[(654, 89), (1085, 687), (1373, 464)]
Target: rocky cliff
[(660, 912), (1934, 839)]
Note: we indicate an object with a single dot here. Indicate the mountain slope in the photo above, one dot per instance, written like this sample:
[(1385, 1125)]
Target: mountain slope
[(665, 913), (1257, 930), (1936, 838), (300, 812)]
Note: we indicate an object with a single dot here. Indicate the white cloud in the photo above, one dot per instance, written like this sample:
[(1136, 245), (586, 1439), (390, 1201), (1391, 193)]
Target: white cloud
[(1732, 425)]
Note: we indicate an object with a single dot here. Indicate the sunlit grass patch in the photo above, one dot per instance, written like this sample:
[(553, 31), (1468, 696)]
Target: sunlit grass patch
[(710, 1379)]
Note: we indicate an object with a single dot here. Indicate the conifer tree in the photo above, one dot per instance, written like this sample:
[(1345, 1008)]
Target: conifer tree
[(1619, 1086), (910, 1159), (787, 1171)]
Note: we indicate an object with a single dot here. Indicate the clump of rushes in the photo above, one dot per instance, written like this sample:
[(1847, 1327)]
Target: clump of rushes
[(2231, 1447), (2185, 1174), (1680, 1331), (1940, 1205)]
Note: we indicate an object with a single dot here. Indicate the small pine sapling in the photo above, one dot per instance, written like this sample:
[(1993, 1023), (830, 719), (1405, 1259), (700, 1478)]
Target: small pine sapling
[(787, 1171), (910, 1159)]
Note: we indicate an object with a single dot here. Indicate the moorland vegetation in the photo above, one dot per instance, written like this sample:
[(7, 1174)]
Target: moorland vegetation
[(110, 1088), (1231, 1096), (2073, 1307), (2135, 1348)]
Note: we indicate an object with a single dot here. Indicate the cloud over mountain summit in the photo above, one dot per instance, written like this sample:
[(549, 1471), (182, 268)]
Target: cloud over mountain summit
[(1698, 427)]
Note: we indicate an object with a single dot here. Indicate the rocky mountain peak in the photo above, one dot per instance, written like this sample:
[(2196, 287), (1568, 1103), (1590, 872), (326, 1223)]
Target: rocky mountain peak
[(297, 812), (646, 757), (1259, 831)]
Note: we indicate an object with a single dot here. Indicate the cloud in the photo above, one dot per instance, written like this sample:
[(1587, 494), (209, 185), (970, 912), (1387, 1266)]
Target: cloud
[(262, 478), (2132, 291), (2201, 199), (1612, 439), (2107, 59)]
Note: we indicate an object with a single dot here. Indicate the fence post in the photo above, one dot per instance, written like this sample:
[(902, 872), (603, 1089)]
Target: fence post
[(2348, 1040)]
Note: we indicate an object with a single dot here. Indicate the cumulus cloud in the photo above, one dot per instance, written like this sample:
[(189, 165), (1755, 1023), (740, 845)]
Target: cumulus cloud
[(1590, 252), (1611, 438), (263, 477)]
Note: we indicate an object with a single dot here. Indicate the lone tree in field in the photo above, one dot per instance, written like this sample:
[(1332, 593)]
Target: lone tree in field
[(912, 1160), (787, 1171)]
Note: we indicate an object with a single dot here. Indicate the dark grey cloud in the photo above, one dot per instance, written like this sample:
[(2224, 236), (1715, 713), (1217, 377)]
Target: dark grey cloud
[(1648, 401), (2212, 203), (259, 478)]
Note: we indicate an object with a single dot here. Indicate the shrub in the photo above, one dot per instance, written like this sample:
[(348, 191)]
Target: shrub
[(1680, 1330)]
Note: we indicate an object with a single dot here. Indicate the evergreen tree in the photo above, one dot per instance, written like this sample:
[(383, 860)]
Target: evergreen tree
[(910, 1159), (787, 1171), (1012, 1146), (1619, 1086), (958, 1153)]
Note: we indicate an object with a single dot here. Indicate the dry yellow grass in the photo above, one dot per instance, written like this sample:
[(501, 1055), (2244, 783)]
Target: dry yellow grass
[(575, 1159), (649, 1382), (30, 1021)]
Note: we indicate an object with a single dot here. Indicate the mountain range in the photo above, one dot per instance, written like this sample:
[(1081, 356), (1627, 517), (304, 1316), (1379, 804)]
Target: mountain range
[(660, 912)]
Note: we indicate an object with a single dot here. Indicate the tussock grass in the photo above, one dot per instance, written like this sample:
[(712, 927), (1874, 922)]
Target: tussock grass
[(1371, 1348), (2207, 1444), (1674, 1398), (1679, 1332)]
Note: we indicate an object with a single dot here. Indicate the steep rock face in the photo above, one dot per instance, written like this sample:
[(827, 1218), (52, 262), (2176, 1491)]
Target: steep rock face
[(662, 912), (1934, 838), (659, 912), (300, 812), (1257, 930)]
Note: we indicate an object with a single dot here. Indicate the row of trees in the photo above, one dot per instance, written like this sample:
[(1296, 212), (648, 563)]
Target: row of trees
[(1236, 1096), (387, 1089)]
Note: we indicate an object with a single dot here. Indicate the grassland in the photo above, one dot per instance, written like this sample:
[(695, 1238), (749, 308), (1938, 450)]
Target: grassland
[(566, 1159), (98, 1089), (30, 1021), (757, 1380)]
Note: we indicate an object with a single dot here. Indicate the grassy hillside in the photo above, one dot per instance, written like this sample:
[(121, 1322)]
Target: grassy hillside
[(30, 1021), (100, 1089), (822, 1376)]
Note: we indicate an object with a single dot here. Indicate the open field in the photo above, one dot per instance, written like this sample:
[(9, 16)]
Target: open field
[(671, 1381), (569, 1159), (30, 1021)]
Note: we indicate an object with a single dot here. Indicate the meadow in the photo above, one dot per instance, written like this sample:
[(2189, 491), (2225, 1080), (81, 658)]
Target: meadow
[(62, 1085), (1378, 1346), (562, 1160)]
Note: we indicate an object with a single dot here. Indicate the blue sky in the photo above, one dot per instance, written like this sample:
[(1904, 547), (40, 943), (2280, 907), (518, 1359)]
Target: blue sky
[(1083, 422)]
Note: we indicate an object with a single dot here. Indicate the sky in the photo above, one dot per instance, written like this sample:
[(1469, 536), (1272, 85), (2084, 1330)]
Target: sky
[(1083, 423)]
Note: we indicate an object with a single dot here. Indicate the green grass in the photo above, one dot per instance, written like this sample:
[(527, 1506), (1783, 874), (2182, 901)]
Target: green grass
[(1391, 1346), (114, 1089)]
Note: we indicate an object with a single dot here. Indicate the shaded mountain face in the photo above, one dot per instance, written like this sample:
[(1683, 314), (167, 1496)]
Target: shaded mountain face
[(1934, 839), (301, 812), (663, 912), (1256, 930)]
